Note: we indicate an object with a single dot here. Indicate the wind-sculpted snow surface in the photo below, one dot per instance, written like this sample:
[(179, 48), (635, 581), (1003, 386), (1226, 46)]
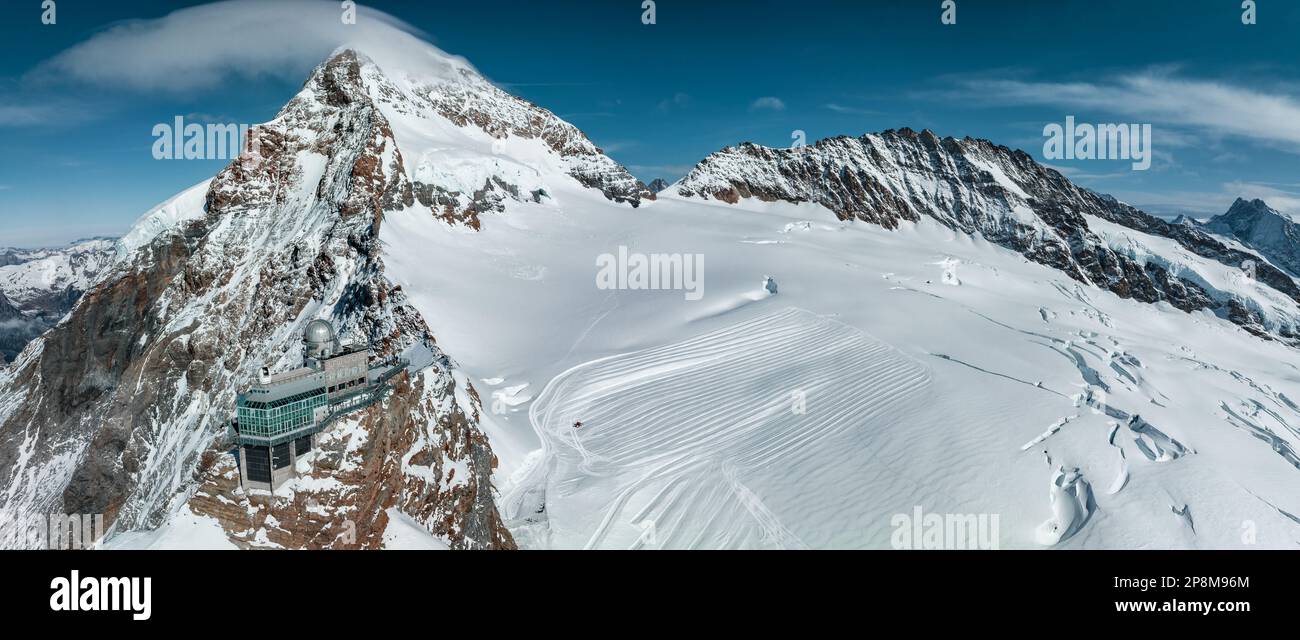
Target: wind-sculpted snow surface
[(718, 441)]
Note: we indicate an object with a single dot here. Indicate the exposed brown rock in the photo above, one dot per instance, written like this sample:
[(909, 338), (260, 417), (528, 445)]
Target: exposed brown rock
[(363, 479)]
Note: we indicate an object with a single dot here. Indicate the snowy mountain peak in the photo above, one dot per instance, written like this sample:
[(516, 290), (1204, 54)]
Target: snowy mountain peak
[(408, 59), (1243, 208), (471, 147), (1256, 225), (122, 408)]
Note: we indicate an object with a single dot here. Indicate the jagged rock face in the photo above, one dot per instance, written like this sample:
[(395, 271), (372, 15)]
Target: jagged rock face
[(44, 284), (1262, 228), (15, 330), (657, 185), (10, 255), (114, 408), (976, 187), (7, 310), (455, 207)]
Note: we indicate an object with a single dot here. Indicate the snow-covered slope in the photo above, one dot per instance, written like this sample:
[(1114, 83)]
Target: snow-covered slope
[(935, 369), (181, 209), (939, 367)]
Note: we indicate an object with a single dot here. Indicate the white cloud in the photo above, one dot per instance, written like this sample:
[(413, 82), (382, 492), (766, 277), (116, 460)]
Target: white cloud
[(40, 114), (678, 100), (200, 47), (17, 115), (839, 108), (1075, 174), (1159, 98), (767, 103), (615, 146), (661, 170)]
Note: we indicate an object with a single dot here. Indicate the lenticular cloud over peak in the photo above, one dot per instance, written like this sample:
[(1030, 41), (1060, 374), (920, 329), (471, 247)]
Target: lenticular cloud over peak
[(199, 47)]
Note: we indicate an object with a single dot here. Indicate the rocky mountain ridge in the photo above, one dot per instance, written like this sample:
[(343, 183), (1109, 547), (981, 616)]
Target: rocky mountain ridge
[(978, 187)]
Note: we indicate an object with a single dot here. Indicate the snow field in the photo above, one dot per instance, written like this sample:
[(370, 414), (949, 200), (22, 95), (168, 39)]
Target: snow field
[(688, 436)]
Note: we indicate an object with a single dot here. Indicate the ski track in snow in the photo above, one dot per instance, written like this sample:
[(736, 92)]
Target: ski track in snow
[(698, 437)]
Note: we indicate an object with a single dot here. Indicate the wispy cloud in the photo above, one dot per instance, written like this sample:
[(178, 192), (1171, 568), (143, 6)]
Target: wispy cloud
[(678, 100), (618, 145), (508, 85), (667, 171), (200, 47), (1159, 97), (586, 114), (22, 115), (43, 113), (857, 111), (767, 103)]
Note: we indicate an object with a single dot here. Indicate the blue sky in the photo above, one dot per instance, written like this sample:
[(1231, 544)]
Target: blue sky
[(79, 98)]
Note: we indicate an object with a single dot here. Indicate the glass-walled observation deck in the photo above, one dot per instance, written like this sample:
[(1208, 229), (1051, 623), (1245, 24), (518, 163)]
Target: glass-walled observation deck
[(275, 417)]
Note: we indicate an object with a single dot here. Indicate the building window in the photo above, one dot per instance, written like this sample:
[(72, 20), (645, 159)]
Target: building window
[(280, 455), (257, 467), (302, 445)]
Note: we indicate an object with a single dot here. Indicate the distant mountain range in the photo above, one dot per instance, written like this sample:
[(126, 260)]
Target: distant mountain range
[(42, 285)]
